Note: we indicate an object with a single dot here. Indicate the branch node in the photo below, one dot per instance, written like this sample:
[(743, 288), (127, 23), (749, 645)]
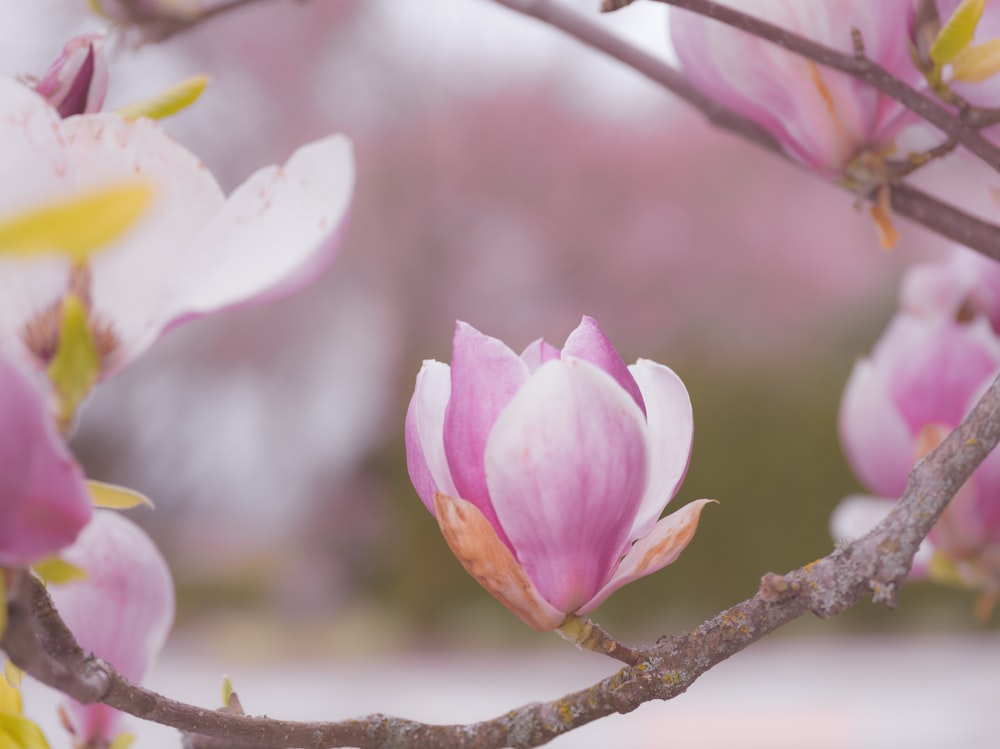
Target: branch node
[(774, 587)]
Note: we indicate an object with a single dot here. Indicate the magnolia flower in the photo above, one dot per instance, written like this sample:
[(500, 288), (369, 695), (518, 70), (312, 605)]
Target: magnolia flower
[(194, 251), (77, 80), (826, 119), (922, 378), (965, 285), (547, 472), (122, 612), (44, 501)]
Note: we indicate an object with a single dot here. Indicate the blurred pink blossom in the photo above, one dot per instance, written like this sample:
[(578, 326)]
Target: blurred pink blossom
[(824, 118), (43, 499), (193, 253), (966, 284), (77, 80), (924, 375), (548, 471), (122, 612)]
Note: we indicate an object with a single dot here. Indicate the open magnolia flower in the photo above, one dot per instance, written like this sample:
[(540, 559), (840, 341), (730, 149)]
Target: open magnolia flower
[(824, 118), (192, 252), (122, 612), (924, 375), (548, 471), (44, 501)]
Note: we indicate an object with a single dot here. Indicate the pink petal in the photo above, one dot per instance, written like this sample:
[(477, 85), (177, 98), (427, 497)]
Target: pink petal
[(938, 378), (660, 547), (476, 545), (485, 374), (671, 431), (43, 500), (587, 342), (425, 456), (122, 612), (566, 465)]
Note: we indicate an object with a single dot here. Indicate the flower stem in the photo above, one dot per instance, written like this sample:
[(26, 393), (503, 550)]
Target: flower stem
[(587, 635)]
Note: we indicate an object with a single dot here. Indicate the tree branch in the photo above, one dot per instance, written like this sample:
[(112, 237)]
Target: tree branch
[(915, 204), (876, 564), (855, 65)]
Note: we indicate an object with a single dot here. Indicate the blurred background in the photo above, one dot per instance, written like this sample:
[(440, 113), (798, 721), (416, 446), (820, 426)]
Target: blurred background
[(511, 178)]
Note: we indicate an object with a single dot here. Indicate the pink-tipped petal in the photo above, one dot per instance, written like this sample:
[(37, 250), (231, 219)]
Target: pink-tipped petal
[(537, 353), (660, 547), (43, 499), (671, 432), (276, 233), (476, 545), (566, 465), (122, 612), (587, 342), (425, 458), (485, 375)]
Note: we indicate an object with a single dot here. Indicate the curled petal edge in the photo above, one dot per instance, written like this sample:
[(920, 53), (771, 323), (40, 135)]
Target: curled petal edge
[(654, 551), (476, 545)]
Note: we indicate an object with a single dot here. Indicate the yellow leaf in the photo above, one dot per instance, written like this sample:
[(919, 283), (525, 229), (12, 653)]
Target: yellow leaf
[(227, 691), (123, 741), (77, 363), (12, 674), (957, 32), (974, 64), (3, 603), (113, 497), (21, 733), (168, 102), (56, 571), (76, 226), (942, 569), (10, 698)]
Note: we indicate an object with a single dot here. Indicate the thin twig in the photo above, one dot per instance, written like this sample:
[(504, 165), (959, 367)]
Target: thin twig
[(915, 204), (875, 565)]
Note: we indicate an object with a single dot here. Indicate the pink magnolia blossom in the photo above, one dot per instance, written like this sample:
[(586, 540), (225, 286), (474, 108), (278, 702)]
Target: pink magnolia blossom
[(77, 80), (122, 612), (548, 471), (922, 378), (965, 285), (824, 118), (193, 253), (43, 499)]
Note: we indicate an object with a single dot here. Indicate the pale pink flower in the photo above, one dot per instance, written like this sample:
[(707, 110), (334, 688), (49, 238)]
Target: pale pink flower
[(924, 375), (548, 471), (44, 501), (122, 612), (824, 118), (77, 80), (964, 285), (193, 253)]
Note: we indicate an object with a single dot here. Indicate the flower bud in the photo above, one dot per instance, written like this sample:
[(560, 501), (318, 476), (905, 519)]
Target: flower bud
[(548, 471), (77, 81)]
